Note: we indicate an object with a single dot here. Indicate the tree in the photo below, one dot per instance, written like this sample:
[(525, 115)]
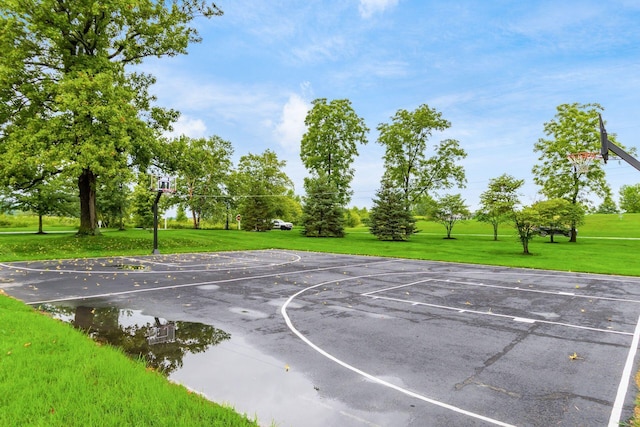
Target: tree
[(526, 221), (260, 183), (448, 210), (68, 105), (203, 166), (322, 213), (44, 198), (423, 206), (113, 199), (498, 202), (329, 146), (574, 129), (557, 216), (406, 164), (608, 206), (630, 198), (389, 218)]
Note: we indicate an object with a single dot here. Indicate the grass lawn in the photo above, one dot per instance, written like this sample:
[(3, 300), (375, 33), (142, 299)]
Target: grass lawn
[(53, 375), (606, 244)]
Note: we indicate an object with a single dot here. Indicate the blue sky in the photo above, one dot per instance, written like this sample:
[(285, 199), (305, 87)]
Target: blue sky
[(495, 69)]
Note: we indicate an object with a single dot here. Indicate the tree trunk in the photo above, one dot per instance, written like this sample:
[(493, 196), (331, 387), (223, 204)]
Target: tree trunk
[(87, 188), (574, 234), (495, 232), (40, 224), (195, 219)]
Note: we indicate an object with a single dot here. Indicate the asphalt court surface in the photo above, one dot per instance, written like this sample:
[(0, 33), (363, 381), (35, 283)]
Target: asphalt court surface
[(390, 341)]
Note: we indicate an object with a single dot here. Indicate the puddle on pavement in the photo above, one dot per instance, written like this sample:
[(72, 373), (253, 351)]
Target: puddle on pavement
[(162, 343), (226, 370)]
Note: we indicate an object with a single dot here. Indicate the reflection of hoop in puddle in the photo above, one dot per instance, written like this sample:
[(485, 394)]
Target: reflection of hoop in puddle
[(159, 334)]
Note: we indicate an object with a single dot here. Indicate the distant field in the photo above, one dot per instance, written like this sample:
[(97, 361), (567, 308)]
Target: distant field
[(605, 245)]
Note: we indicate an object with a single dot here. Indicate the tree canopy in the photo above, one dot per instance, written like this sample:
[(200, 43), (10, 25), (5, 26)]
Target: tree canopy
[(407, 164), (330, 144), (630, 198), (202, 166), (448, 210), (557, 216), (574, 129), (499, 200), (261, 183), (68, 105)]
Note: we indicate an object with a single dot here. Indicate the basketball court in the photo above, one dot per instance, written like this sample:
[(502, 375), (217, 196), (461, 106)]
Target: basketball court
[(378, 341)]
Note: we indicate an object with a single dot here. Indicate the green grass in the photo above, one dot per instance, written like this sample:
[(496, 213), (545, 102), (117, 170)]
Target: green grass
[(53, 375), (603, 245)]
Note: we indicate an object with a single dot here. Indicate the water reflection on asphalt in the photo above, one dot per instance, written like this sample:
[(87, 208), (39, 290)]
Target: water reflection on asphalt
[(209, 361), (162, 343), (254, 383)]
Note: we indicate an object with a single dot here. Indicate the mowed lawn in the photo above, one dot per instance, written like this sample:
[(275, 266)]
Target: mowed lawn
[(606, 244)]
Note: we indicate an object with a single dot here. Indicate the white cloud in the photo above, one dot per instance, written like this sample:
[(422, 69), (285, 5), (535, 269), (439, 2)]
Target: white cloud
[(321, 49), (368, 8), (193, 128), (289, 130)]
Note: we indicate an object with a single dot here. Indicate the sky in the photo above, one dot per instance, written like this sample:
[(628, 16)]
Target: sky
[(495, 69)]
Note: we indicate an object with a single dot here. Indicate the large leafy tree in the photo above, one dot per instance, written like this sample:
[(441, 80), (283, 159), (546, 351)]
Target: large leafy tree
[(114, 198), (260, 183), (498, 201), (574, 129), (51, 197), (203, 166), (330, 144), (407, 160), (68, 104), (630, 198)]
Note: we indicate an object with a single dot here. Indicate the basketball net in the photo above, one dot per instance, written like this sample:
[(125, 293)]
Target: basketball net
[(582, 161)]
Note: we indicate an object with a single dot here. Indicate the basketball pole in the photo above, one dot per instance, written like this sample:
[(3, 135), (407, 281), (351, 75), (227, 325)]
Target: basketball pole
[(155, 223), (607, 146)]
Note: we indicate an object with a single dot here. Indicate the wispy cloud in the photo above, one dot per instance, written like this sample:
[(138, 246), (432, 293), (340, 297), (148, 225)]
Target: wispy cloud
[(321, 49), (368, 8)]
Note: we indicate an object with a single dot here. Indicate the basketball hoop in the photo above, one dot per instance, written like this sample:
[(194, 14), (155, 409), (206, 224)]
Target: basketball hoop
[(582, 161), (163, 183)]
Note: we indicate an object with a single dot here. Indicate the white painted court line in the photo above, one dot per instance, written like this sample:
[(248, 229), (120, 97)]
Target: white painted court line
[(618, 404), (373, 378), (211, 282), (296, 258), (540, 291), (366, 294), (499, 315)]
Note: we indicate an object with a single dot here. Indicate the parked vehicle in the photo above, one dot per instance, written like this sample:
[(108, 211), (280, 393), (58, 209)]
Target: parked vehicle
[(281, 225)]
